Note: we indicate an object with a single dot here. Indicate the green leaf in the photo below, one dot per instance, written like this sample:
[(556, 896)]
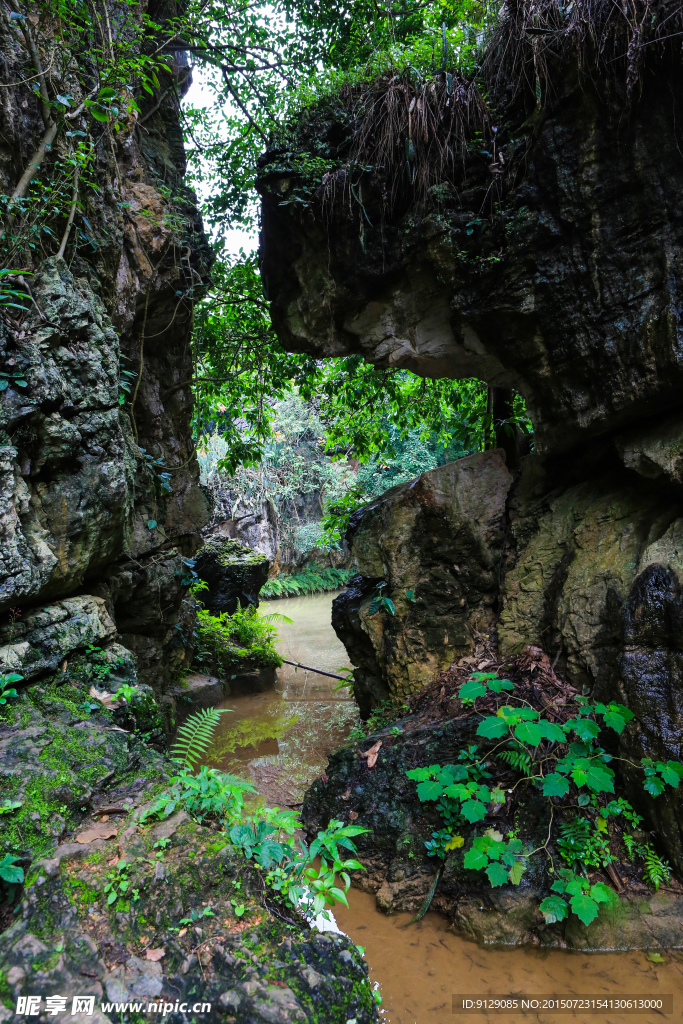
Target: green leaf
[(473, 810), (602, 893), (499, 684), (475, 859), (553, 909), (585, 908), (653, 785), (497, 873), (555, 785), (552, 732), (671, 776), (613, 720), (429, 790), (529, 732), (422, 774), (492, 727), (471, 690), (585, 728), (516, 871), (112, 897)]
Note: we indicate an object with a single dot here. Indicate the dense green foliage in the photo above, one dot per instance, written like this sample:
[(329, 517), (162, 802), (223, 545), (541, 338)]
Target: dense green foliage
[(229, 644), (564, 761), (308, 581), (272, 838)]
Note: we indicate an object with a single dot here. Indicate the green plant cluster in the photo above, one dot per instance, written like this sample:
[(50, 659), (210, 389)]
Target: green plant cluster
[(565, 763), (308, 581), (236, 643), (269, 838)]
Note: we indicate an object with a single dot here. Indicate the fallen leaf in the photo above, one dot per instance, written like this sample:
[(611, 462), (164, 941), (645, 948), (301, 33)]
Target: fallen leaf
[(183, 931), (155, 954), (346, 795), (656, 958), (104, 698), (97, 832), (493, 834), (371, 754), (353, 815)]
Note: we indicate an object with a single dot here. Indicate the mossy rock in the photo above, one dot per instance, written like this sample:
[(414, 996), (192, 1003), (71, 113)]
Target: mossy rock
[(234, 574)]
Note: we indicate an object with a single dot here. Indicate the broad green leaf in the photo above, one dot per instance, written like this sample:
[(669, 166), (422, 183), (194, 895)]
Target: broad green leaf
[(492, 727), (429, 790), (599, 778), (516, 871), (473, 810), (613, 720), (497, 685), (497, 795), (553, 909), (529, 732), (653, 785), (422, 774), (552, 732), (471, 690), (602, 893), (475, 859), (497, 873), (555, 785), (585, 728), (585, 908), (670, 776)]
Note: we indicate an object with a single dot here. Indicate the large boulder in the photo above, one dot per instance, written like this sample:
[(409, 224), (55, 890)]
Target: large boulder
[(432, 547), (234, 574)]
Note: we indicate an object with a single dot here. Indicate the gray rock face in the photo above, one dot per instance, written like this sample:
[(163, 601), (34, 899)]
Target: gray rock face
[(436, 543), (83, 505), (570, 292)]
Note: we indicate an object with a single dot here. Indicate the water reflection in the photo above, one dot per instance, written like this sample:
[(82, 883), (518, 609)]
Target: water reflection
[(280, 740)]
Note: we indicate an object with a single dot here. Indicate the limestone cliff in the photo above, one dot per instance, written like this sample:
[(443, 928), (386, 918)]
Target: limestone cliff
[(549, 262), (99, 497)]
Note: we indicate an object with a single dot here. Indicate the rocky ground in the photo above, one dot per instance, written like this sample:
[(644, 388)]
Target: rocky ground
[(190, 920)]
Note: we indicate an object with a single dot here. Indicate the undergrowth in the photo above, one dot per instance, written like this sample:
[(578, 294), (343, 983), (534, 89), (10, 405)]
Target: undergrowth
[(558, 756), (228, 644), (308, 581)]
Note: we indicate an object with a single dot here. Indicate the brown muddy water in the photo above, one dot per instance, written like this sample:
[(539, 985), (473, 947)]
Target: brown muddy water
[(280, 740)]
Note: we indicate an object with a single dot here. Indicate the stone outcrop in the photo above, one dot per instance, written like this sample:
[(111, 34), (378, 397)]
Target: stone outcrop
[(436, 545), (86, 513), (567, 288), (81, 786), (233, 572)]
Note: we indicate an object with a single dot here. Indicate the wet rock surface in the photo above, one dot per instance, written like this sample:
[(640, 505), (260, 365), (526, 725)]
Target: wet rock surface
[(435, 544), (191, 922), (234, 573)]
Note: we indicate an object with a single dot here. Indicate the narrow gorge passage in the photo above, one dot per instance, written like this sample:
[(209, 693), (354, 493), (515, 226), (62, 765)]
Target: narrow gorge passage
[(280, 739)]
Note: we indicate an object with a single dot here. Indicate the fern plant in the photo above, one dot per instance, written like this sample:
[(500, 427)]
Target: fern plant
[(655, 869), (195, 737)]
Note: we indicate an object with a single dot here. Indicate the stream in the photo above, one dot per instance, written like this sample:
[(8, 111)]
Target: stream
[(280, 741)]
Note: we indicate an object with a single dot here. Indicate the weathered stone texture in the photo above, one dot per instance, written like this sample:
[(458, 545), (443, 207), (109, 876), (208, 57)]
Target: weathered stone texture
[(437, 544), (82, 509)]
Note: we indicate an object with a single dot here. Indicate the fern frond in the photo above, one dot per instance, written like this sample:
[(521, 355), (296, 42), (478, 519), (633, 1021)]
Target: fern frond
[(517, 760), (655, 870), (196, 735)]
